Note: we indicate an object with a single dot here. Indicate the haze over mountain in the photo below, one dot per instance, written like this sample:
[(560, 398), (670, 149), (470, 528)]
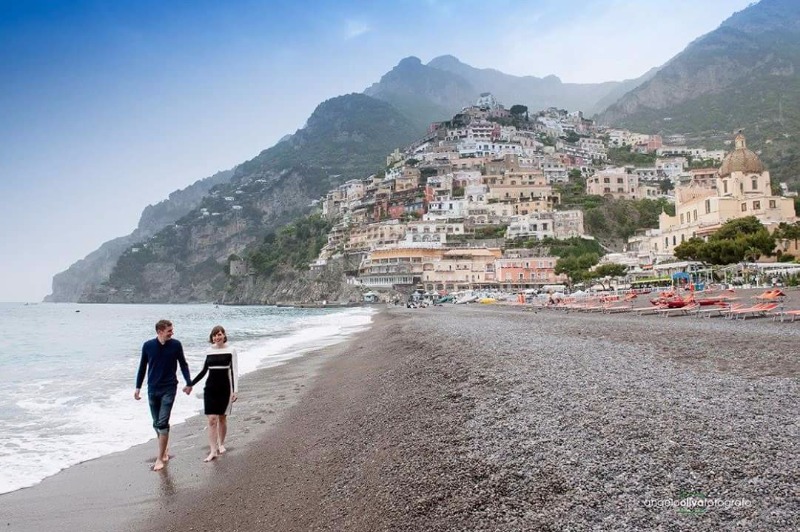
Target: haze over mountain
[(436, 91), (743, 75)]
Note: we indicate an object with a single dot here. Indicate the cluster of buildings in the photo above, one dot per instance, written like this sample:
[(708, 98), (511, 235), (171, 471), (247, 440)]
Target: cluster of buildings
[(417, 223), (447, 211), (708, 198)]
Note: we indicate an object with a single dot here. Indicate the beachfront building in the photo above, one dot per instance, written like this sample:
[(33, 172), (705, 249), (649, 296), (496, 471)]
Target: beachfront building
[(462, 269), (398, 266), (518, 269), (742, 188)]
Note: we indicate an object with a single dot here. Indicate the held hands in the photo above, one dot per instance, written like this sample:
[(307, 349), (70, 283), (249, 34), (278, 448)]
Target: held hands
[(233, 397), (187, 390)]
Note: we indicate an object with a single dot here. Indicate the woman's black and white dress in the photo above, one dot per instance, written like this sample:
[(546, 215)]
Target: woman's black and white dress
[(222, 368)]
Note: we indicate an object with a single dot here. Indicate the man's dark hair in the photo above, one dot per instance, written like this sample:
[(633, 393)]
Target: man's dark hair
[(163, 325)]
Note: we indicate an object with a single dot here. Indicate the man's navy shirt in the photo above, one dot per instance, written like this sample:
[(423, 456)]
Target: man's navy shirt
[(162, 361)]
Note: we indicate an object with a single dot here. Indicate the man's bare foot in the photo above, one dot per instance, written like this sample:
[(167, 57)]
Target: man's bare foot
[(211, 456), (222, 449), (165, 458), (159, 465)]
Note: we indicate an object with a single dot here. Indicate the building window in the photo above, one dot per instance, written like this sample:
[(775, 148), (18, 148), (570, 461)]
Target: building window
[(772, 204), (681, 217), (744, 207), (756, 205), (755, 184), (606, 180), (708, 206), (695, 215), (724, 187)]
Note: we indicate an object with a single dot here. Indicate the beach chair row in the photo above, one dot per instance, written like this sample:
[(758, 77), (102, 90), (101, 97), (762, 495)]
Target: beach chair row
[(732, 311)]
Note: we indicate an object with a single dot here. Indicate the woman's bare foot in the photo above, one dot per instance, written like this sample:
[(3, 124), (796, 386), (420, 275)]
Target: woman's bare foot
[(165, 458), (159, 465), (211, 456), (222, 449)]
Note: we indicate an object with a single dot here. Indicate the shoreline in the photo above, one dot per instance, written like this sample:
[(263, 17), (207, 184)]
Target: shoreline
[(489, 417), (112, 491)]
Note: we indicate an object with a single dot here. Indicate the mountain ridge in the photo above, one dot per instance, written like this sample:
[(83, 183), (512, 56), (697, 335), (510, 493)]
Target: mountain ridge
[(745, 75)]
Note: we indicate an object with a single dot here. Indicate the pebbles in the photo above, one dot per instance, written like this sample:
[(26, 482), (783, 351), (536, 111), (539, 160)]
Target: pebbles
[(571, 432), (492, 419)]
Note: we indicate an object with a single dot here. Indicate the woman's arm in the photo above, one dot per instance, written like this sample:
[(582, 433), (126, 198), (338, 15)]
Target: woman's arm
[(200, 375)]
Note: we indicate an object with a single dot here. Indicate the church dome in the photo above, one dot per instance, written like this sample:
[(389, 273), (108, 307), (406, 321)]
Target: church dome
[(740, 160)]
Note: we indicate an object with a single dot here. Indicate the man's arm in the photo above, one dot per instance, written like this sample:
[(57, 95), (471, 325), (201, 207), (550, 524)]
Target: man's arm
[(184, 366), (140, 374)]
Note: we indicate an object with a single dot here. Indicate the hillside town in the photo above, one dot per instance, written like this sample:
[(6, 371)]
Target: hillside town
[(452, 211)]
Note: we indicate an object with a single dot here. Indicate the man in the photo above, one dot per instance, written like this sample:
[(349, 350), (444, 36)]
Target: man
[(160, 358)]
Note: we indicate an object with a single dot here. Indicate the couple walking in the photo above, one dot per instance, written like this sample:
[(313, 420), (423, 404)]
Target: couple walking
[(160, 359)]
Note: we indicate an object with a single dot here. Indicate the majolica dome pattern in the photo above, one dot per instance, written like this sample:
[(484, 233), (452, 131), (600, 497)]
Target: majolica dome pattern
[(741, 160)]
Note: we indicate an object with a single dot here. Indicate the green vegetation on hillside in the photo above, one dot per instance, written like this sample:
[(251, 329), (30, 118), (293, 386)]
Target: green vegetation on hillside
[(576, 256), (347, 136), (623, 156), (612, 221), (295, 245), (737, 240), (620, 219)]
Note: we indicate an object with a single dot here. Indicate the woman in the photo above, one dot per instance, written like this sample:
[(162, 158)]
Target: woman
[(220, 391)]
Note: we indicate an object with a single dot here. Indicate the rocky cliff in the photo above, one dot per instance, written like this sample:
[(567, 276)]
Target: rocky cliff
[(187, 261), (346, 137), (289, 285), (88, 273)]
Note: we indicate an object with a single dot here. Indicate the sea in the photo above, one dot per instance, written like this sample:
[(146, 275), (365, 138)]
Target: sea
[(67, 371)]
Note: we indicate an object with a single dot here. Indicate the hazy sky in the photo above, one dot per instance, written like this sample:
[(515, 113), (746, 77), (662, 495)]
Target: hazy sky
[(108, 106)]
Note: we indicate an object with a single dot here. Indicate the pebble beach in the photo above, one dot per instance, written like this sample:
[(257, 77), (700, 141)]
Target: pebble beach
[(490, 417)]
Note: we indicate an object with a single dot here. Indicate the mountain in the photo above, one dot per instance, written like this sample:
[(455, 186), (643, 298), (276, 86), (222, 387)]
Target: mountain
[(179, 253), (539, 93), (346, 137), (422, 93), (743, 75), (95, 268), (438, 90)]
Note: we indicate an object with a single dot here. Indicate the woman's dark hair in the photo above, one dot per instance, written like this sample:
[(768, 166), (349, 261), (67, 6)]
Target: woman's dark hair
[(215, 330)]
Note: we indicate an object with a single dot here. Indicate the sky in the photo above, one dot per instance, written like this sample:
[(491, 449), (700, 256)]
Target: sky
[(108, 106)]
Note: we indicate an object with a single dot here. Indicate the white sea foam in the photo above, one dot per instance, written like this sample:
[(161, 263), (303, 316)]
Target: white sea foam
[(61, 406)]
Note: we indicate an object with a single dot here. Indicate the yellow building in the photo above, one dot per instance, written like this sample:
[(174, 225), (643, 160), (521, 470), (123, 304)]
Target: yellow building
[(742, 189), (387, 267), (461, 269)]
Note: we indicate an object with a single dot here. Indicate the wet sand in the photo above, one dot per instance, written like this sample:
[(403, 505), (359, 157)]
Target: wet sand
[(113, 492), (477, 418)]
